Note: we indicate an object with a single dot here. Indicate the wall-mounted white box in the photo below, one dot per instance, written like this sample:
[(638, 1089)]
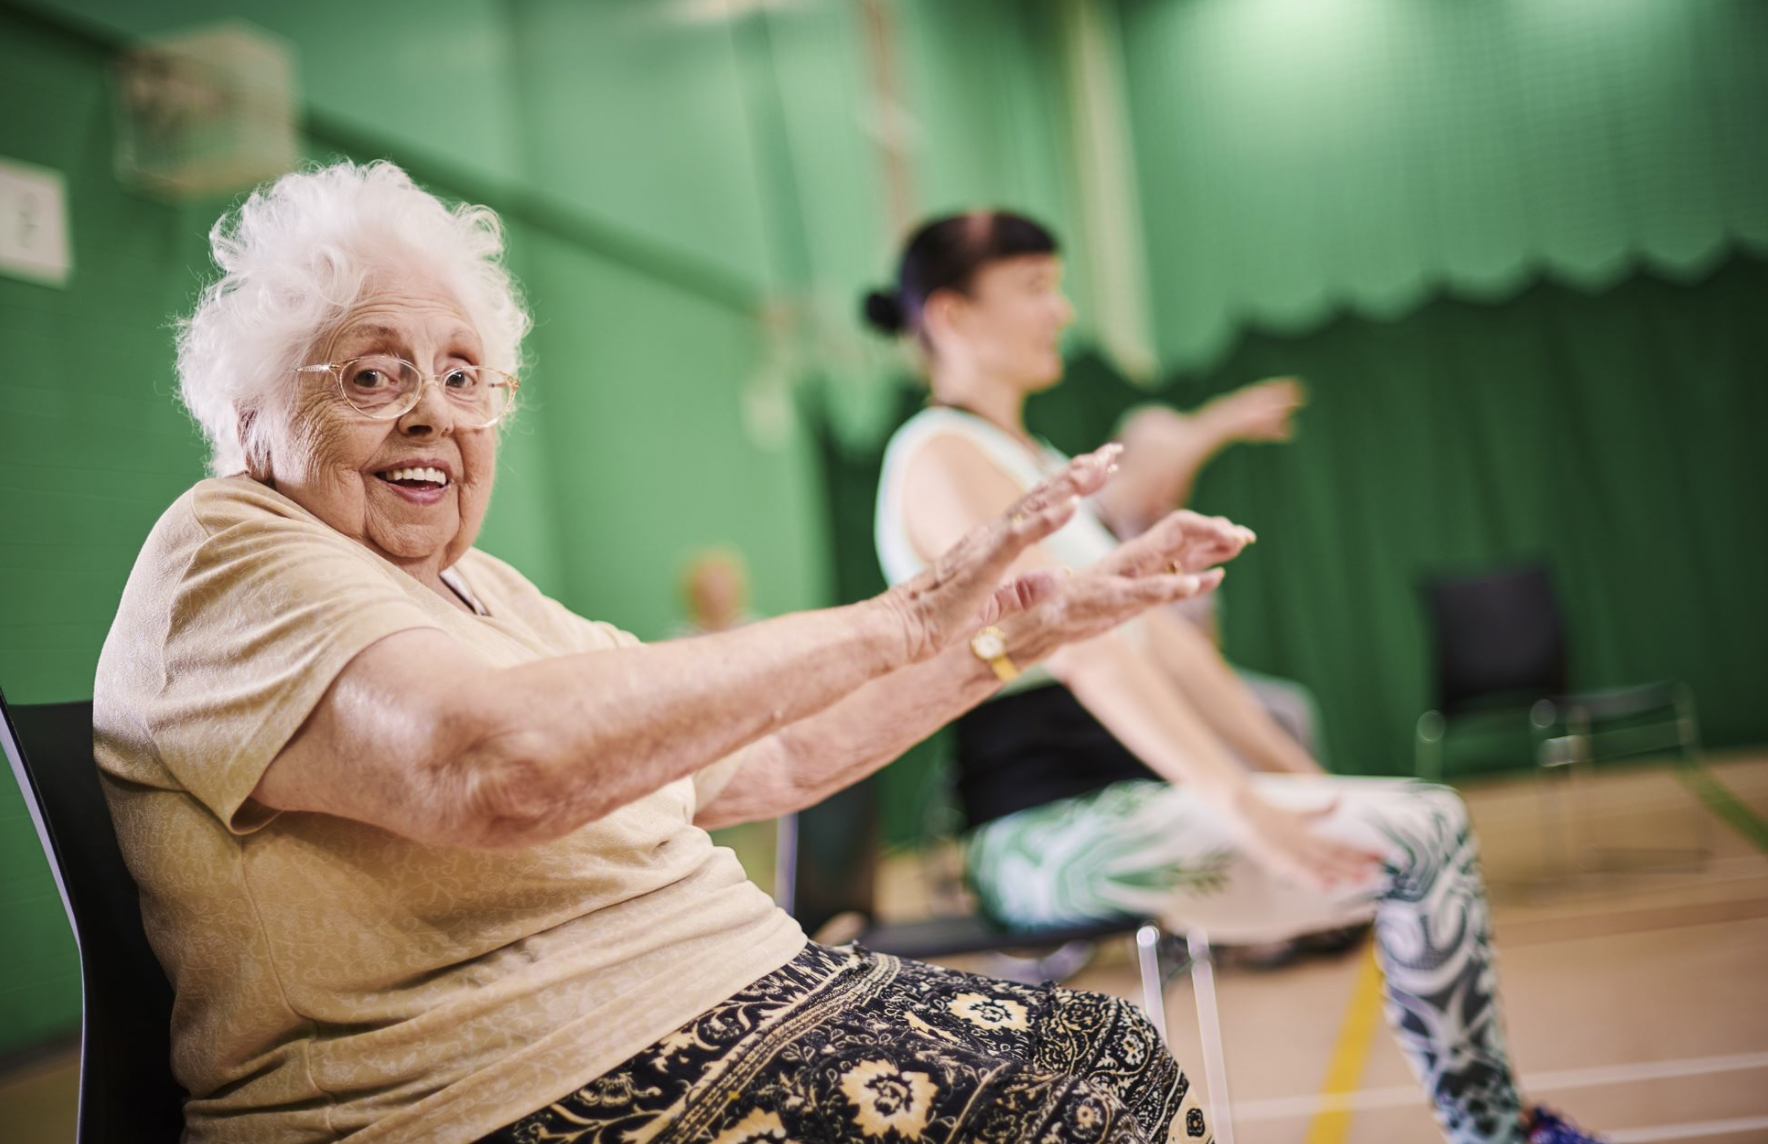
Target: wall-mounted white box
[(34, 242), (208, 111)]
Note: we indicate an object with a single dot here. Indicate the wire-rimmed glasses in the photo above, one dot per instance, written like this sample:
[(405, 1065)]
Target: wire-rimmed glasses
[(385, 387)]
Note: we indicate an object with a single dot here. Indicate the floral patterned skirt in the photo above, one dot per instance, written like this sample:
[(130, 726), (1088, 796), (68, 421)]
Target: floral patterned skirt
[(845, 1044)]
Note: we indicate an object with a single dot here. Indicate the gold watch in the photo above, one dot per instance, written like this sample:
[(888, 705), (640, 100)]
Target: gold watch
[(990, 646)]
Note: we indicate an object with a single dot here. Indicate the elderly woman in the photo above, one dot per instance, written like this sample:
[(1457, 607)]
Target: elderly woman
[(424, 854)]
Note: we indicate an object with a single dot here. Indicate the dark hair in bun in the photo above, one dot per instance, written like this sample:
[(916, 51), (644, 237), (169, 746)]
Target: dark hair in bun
[(945, 254), (883, 312)]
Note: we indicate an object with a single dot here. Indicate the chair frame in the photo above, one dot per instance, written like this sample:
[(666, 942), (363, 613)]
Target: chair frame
[(1563, 723), (1571, 755), (1565, 735), (125, 1097)]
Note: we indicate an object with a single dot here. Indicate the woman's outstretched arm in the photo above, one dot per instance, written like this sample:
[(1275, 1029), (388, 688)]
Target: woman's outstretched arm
[(420, 737), (809, 760), (1165, 449)]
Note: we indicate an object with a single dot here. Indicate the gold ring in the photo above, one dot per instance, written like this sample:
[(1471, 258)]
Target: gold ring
[(1175, 568), (1017, 519)]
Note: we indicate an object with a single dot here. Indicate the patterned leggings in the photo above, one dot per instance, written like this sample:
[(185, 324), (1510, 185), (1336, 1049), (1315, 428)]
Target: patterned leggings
[(1152, 848), (848, 1045)]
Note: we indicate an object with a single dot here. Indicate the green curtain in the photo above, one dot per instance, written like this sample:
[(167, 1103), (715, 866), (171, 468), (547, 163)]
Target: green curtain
[(1298, 157), (1617, 436)]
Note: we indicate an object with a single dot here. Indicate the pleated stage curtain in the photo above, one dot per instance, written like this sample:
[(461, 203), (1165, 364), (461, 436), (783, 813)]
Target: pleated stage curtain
[(1300, 158)]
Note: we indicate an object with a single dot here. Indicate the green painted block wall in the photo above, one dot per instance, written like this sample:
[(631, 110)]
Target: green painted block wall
[(91, 451)]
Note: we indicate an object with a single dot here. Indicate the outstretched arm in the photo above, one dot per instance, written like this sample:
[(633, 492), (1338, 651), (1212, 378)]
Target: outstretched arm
[(809, 760), (1165, 449), (420, 737)]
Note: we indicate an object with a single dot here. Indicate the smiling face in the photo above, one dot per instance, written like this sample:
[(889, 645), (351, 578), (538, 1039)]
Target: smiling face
[(1009, 323), (413, 489)]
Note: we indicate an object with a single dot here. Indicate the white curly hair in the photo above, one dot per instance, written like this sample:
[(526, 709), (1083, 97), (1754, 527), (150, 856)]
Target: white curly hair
[(294, 259)]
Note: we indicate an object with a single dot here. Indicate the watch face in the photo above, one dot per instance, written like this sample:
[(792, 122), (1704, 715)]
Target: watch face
[(989, 645)]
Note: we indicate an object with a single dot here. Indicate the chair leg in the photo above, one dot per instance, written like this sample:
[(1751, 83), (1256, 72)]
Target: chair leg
[(1153, 981), (1209, 1021), (1209, 1026), (1688, 739), (1572, 756), (785, 879), (1553, 759), (1427, 747)]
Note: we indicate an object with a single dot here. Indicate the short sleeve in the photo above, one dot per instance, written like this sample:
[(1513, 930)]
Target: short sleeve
[(580, 634), (267, 611), (552, 626), (599, 635)]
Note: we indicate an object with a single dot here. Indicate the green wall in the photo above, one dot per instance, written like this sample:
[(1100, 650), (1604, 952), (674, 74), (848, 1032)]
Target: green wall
[(92, 449)]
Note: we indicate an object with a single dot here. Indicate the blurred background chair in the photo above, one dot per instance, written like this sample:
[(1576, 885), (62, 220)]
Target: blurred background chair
[(127, 1094), (826, 876), (1501, 655)]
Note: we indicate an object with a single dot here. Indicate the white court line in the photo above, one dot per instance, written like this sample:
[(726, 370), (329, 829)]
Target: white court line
[(1399, 1096), (1689, 1131)]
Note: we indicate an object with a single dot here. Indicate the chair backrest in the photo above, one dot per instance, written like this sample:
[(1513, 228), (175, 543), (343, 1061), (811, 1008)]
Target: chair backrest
[(1498, 635), (126, 1088)]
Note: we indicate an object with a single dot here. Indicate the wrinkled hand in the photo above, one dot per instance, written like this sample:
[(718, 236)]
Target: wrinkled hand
[(963, 589), (1262, 411), (1189, 540), (1288, 844), (1174, 560)]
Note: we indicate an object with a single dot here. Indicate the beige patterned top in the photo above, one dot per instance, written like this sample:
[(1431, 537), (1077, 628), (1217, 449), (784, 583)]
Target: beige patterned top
[(333, 978)]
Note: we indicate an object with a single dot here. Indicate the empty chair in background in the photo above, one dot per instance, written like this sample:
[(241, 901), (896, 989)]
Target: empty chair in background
[(1501, 656)]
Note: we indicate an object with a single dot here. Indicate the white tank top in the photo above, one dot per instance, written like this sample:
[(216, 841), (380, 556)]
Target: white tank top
[(1080, 543)]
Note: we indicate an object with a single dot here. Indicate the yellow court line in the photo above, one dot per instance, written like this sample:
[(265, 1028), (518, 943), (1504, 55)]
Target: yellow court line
[(1344, 1073)]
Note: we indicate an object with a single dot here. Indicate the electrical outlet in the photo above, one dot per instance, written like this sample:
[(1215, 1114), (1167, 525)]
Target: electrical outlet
[(34, 241)]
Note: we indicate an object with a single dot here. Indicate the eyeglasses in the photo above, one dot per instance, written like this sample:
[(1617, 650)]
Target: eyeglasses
[(385, 388)]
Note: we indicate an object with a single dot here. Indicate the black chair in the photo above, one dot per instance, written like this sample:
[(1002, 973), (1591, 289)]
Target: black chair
[(1498, 638), (1501, 651), (127, 1094), (826, 866)]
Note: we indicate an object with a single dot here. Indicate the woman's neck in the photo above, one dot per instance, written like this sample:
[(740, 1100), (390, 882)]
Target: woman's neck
[(1000, 404)]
